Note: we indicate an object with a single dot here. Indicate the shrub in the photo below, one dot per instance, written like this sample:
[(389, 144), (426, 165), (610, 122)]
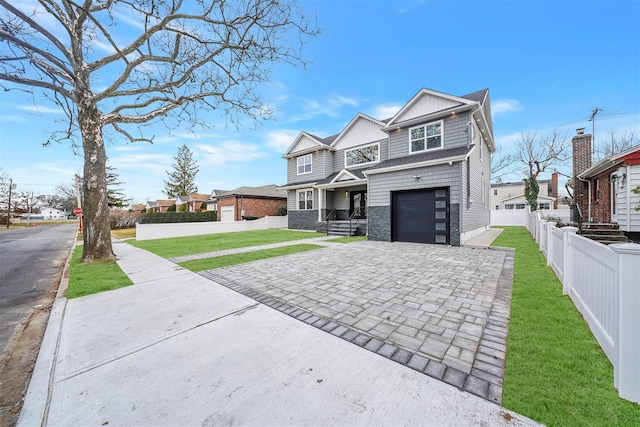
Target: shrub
[(176, 217), (282, 211), (171, 208), (119, 218), (182, 208), (250, 218), (203, 206)]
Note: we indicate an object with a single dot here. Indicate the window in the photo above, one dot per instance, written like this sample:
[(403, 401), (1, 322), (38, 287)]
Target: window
[(362, 155), (495, 191), (304, 164), (305, 200), (497, 207), (425, 137), (597, 189)]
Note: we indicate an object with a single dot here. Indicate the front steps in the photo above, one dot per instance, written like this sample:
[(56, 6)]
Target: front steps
[(603, 233)]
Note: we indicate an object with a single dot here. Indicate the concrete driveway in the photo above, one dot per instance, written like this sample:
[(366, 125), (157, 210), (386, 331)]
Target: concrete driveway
[(440, 310)]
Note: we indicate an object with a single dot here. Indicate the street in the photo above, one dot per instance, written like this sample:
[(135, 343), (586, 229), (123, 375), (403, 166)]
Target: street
[(31, 263)]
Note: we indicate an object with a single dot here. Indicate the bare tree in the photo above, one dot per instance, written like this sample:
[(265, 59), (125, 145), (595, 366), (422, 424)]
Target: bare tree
[(118, 65), (617, 143), (501, 165), (536, 154)]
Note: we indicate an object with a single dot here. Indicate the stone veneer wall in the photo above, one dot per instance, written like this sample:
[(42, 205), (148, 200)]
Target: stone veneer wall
[(303, 220)]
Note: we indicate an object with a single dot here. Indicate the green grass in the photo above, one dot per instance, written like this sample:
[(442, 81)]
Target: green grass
[(556, 373), (179, 246), (241, 258), (348, 239), (93, 277)]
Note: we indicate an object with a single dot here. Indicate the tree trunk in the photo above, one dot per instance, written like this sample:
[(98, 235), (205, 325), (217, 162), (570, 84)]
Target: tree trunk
[(96, 232)]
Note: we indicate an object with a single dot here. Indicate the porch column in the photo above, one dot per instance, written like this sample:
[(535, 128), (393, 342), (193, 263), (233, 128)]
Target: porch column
[(320, 204)]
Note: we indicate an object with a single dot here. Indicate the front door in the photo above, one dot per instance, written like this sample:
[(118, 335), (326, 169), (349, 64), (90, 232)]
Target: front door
[(358, 204), (614, 199)]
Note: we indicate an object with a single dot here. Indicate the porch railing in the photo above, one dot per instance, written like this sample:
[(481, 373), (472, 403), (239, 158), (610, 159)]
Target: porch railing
[(331, 216)]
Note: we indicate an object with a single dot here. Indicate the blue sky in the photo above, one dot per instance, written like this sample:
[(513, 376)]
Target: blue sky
[(547, 64)]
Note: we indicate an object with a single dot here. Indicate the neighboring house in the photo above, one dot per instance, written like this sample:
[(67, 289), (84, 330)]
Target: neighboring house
[(421, 176), (604, 191), (510, 195), (195, 201), (150, 206), (162, 206), (254, 202), (52, 213), (212, 201), (138, 208), (181, 200)]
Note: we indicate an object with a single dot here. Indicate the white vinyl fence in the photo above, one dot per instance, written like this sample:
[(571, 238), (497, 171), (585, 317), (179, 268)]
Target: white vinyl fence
[(604, 284), (506, 217), (184, 229)]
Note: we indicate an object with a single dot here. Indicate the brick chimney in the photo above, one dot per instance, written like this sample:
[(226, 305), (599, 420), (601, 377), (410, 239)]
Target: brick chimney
[(554, 189), (581, 144)]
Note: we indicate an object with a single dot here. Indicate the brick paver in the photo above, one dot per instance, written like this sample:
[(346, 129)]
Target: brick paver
[(441, 310)]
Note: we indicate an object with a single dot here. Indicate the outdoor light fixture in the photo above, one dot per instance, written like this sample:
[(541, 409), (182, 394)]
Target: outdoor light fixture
[(417, 177), (346, 194)]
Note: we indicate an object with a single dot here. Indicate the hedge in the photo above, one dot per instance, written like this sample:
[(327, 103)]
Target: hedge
[(173, 217)]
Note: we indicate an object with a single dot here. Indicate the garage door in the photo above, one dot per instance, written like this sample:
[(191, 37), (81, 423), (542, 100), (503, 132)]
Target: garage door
[(421, 216), (227, 213)]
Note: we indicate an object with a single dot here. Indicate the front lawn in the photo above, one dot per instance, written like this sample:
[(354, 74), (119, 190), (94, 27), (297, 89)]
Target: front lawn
[(86, 278), (556, 373), (348, 239), (241, 258), (179, 246)]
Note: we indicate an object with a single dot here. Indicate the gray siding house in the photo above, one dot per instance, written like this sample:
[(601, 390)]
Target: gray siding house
[(420, 176)]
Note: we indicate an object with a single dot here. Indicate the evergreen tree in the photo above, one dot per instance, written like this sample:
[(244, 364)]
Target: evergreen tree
[(531, 191), (182, 180), (115, 195)]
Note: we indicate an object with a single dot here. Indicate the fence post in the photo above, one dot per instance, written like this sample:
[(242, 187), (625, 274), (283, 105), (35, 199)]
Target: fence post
[(550, 253), (626, 377), (568, 257)]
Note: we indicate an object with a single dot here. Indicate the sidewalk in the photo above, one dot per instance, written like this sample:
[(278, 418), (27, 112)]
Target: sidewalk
[(178, 349)]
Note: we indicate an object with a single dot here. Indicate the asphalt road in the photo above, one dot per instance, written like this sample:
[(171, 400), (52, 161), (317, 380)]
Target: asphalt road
[(31, 264)]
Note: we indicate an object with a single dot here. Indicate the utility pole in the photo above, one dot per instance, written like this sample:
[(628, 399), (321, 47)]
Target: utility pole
[(592, 119), (79, 199), (9, 203)]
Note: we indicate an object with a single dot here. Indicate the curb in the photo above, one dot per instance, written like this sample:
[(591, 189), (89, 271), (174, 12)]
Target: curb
[(35, 406)]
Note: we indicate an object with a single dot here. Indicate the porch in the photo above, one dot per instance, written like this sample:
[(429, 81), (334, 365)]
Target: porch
[(342, 210)]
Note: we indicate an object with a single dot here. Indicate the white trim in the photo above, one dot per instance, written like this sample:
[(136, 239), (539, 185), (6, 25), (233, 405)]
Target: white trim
[(422, 92), (359, 148), (341, 173), (426, 137), (341, 184), (304, 190), (319, 146), (304, 164), (431, 117), (415, 165)]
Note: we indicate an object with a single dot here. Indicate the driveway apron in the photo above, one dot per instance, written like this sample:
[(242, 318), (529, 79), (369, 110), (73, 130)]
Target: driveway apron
[(440, 310)]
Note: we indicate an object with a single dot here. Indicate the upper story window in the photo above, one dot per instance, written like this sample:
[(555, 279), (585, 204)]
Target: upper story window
[(304, 164), (425, 137), (362, 155)]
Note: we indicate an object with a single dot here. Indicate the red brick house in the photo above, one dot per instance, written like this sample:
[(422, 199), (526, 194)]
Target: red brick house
[(254, 202), (604, 191)]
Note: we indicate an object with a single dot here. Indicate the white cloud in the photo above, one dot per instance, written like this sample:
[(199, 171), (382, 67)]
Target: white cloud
[(153, 163), (385, 111), (280, 140), (331, 106), (227, 151), (39, 109), (505, 105)]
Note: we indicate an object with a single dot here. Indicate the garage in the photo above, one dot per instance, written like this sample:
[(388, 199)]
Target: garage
[(420, 216)]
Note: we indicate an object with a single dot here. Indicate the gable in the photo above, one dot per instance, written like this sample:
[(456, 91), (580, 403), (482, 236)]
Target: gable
[(427, 102), (361, 130), (304, 143)]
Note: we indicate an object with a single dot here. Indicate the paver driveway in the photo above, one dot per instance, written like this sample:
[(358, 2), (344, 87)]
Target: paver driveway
[(441, 310)]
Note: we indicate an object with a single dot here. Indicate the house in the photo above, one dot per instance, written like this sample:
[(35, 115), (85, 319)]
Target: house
[(604, 191), (212, 201), (195, 201), (510, 195), (421, 176), (250, 202), (181, 200), (138, 208), (162, 206), (52, 213)]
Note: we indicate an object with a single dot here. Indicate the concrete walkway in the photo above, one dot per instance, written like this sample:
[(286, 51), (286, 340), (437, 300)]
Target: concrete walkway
[(179, 349)]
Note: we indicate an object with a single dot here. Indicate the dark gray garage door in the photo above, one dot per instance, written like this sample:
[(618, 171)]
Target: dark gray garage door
[(421, 216)]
